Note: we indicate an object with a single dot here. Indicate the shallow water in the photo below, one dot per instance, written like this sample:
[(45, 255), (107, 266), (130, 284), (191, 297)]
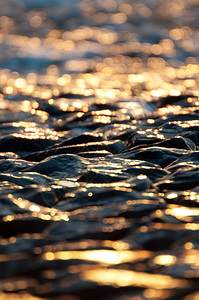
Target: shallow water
[(99, 150)]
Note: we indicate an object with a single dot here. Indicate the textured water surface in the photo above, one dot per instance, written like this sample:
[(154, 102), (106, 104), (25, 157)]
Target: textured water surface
[(99, 157)]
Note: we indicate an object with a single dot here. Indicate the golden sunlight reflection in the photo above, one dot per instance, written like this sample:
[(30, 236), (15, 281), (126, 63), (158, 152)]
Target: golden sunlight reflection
[(109, 81), (172, 195), (165, 260), (16, 296), (125, 278), (192, 296), (37, 211), (191, 257), (117, 245), (20, 83), (156, 294), (109, 257), (181, 212), (31, 130)]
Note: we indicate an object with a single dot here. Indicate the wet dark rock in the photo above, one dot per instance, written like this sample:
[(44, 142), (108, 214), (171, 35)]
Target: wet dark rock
[(113, 147), (190, 158), (145, 139), (50, 109), (178, 143), (21, 180), (179, 127), (159, 239), (77, 230), (127, 137), (7, 207), (59, 166), (81, 139), (44, 196), (23, 145), (101, 106), (116, 147), (8, 155), (92, 154), (7, 117), (112, 131), (184, 178), (157, 155), (73, 96), (11, 165), (17, 227), (171, 100), (12, 266), (100, 196), (95, 177), (153, 173), (193, 136), (138, 209), (186, 116)]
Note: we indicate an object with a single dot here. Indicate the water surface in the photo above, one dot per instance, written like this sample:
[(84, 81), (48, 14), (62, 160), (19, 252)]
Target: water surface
[(99, 151)]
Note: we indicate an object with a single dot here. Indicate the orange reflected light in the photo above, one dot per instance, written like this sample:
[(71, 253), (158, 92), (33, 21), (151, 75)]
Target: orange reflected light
[(183, 211), (156, 93), (20, 83), (156, 294), (110, 257), (38, 211), (175, 93), (8, 90), (172, 196), (122, 278), (165, 260)]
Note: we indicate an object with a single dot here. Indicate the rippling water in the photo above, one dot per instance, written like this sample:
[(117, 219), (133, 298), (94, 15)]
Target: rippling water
[(99, 151)]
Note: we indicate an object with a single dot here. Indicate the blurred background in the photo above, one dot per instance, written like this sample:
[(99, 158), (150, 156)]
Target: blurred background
[(105, 48)]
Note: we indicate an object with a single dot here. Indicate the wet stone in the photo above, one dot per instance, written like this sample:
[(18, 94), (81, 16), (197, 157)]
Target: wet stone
[(11, 165), (113, 147), (91, 154), (95, 177), (23, 145), (153, 173), (59, 166), (160, 239), (157, 155), (81, 139), (18, 227), (184, 178), (178, 143)]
